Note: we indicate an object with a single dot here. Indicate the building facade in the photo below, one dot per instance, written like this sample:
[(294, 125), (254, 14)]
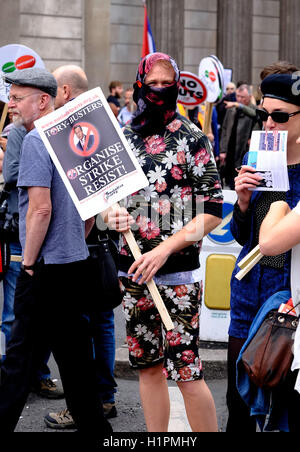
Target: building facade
[(105, 36)]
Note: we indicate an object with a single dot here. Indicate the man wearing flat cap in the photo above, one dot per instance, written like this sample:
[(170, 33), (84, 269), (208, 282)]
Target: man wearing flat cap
[(279, 111), (48, 305)]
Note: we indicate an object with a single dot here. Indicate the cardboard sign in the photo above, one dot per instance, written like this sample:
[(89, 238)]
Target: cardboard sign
[(91, 153), (14, 57), (192, 90), (211, 71)]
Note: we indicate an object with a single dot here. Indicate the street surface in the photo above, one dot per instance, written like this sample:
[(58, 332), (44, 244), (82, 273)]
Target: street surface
[(130, 414)]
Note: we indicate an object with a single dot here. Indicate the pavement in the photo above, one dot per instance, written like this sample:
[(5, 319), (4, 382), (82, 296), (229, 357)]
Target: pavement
[(130, 414)]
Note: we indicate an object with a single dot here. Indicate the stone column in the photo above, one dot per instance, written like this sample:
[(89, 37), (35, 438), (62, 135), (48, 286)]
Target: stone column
[(167, 23), (10, 23), (289, 47), (234, 39), (97, 43)]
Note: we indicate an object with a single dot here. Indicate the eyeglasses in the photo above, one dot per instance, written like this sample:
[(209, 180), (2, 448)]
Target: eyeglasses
[(16, 99), (277, 116)]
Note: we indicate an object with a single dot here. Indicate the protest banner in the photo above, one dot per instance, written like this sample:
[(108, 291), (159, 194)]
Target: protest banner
[(91, 153), (15, 57), (95, 162), (211, 71), (192, 90)]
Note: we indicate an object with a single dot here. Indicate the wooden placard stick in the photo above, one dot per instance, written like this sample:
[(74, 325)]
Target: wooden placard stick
[(248, 262), (165, 317), (3, 117), (207, 117)]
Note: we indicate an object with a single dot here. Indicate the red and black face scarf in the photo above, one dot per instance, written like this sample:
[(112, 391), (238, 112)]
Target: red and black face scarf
[(156, 107)]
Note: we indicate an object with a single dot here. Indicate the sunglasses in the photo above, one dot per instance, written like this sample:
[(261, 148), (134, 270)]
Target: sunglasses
[(277, 116)]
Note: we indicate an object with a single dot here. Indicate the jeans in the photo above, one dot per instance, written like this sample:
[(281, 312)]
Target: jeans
[(9, 286), (103, 334), (49, 310), (239, 418)]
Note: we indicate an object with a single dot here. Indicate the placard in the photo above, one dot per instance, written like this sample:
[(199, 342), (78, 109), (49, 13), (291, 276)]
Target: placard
[(15, 57), (91, 153), (192, 91), (211, 72)]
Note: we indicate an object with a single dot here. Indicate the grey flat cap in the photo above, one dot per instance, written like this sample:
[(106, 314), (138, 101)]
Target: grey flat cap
[(34, 77)]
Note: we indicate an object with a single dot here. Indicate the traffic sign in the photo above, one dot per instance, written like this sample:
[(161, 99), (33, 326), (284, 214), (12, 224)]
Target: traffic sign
[(222, 234)]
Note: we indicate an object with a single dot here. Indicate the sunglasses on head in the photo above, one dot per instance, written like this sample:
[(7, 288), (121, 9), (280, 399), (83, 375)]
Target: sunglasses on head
[(277, 116)]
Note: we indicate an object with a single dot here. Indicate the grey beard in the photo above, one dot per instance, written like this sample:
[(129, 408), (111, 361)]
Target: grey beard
[(18, 121)]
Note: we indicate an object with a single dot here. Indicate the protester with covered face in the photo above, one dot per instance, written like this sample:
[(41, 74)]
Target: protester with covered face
[(182, 203)]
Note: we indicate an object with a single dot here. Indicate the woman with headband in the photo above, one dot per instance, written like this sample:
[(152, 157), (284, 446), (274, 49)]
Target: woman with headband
[(279, 111)]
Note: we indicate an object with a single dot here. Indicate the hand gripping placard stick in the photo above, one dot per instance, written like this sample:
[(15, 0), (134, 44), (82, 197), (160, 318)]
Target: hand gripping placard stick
[(248, 262), (165, 317)]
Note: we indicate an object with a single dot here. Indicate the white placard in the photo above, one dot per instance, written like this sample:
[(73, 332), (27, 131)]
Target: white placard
[(210, 73), (14, 57), (91, 153)]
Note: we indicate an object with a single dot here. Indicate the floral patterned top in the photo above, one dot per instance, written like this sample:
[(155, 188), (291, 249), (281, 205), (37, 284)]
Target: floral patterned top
[(183, 182)]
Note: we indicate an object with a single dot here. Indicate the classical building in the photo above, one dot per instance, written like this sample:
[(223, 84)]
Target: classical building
[(105, 36)]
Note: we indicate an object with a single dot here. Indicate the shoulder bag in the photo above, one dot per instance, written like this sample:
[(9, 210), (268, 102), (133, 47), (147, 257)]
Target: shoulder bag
[(268, 357), (103, 271)]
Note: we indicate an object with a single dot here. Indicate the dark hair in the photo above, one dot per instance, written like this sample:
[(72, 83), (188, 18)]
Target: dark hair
[(76, 126), (240, 83), (279, 67), (114, 84)]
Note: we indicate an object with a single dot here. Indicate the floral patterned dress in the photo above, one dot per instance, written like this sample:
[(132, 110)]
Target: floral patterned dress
[(183, 182)]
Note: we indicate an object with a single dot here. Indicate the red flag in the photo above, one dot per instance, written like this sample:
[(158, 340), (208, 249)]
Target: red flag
[(148, 41)]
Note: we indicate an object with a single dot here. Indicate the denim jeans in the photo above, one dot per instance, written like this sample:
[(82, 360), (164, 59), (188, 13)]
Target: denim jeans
[(9, 286), (103, 334)]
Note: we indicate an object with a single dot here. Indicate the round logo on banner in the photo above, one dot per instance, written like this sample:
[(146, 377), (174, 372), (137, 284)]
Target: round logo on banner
[(222, 234), (192, 90), (14, 57), (72, 174), (84, 139)]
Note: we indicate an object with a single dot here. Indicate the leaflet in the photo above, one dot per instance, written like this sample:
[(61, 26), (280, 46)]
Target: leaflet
[(268, 155)]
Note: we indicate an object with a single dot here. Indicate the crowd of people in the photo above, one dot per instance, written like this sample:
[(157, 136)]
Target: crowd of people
[(187, 171)]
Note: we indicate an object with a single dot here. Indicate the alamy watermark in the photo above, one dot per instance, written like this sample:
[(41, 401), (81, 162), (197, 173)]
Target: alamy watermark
[(296, 84)]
